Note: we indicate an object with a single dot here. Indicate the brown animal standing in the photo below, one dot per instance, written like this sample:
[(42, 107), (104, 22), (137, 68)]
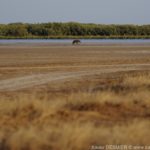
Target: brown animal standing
[(76, 42)]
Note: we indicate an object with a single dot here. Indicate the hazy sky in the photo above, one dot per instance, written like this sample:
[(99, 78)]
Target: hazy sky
[(86, 11)]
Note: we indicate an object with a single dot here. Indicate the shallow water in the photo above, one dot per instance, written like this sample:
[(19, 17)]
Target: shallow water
[(96, 41)]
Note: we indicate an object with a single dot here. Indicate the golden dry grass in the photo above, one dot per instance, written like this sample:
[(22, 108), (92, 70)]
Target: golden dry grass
[(108, 115)]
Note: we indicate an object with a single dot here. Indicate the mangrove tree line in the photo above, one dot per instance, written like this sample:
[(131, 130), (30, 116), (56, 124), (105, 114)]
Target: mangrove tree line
[(72, 29)]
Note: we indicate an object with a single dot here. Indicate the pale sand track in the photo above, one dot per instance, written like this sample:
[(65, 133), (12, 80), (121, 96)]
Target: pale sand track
[(28, 81)]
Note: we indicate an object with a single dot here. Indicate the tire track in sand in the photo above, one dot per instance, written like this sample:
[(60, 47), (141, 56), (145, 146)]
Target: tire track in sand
[(28, 81)]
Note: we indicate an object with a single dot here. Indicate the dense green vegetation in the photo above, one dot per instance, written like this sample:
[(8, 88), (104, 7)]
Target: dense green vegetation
[(73, 30)]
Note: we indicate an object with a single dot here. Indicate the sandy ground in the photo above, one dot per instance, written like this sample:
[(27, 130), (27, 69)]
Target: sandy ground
[(24, 66), (38, 79)]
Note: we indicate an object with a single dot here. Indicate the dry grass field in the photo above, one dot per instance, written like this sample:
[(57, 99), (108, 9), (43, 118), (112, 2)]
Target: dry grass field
[(63, 97)]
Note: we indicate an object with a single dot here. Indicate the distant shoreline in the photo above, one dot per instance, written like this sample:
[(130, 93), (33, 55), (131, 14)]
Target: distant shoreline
[(73, 30)]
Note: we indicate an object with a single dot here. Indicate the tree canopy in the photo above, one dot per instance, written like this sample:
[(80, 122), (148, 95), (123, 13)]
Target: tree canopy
[(72, 29)]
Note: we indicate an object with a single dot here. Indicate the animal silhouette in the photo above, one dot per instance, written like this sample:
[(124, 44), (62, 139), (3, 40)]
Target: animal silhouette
[(76, 42)]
